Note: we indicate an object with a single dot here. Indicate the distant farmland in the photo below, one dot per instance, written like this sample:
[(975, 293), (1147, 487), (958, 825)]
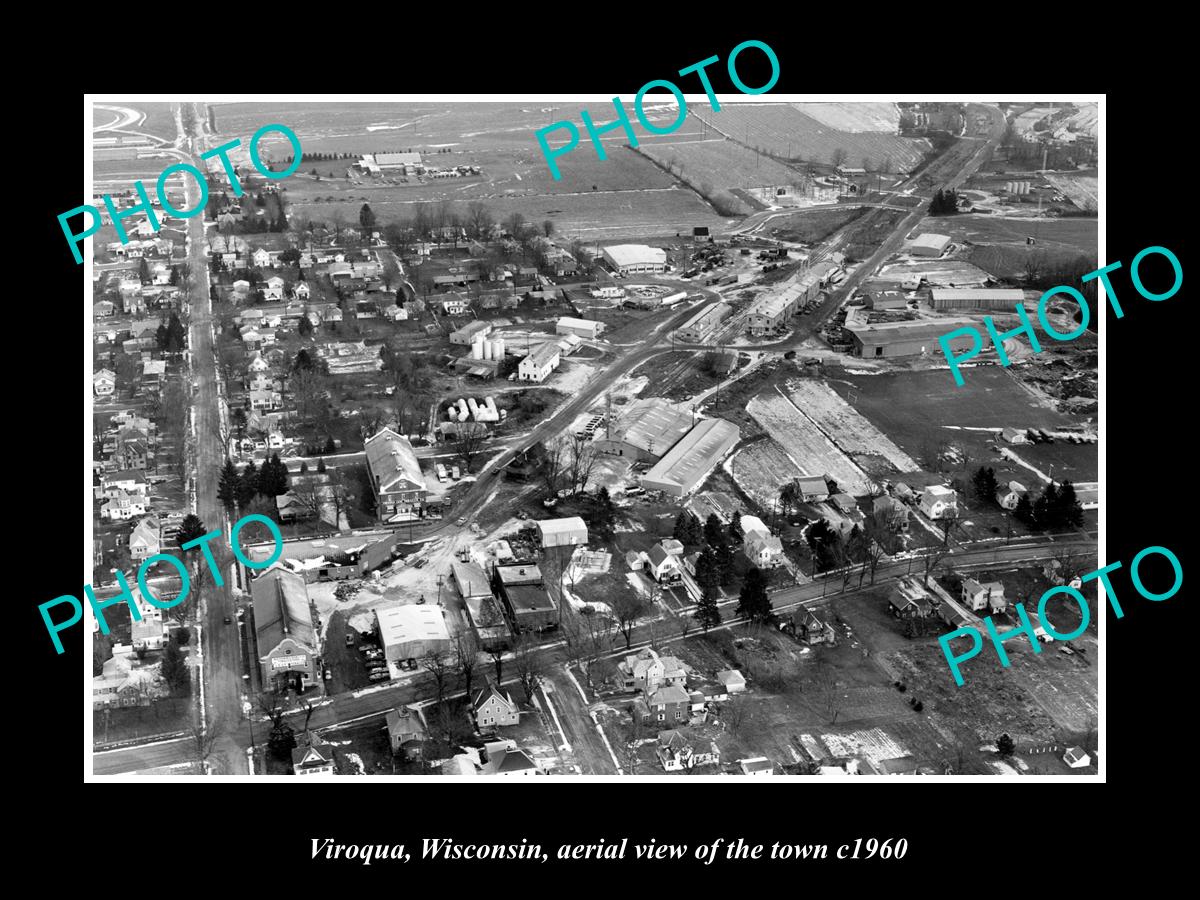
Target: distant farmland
[(721, 163), (783, 130)]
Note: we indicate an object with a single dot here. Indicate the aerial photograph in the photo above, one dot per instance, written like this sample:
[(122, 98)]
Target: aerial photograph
[(660, 468)]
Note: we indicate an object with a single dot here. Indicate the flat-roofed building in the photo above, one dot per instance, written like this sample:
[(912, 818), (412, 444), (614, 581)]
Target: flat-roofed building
[(646, 430), (288, 646), (570, 531), (929, 245), (465, 335), (410, 631), (396, 160), (528, 604), (396, 478), (585, 328), (886, 300), (917, 337), (631, 258), (1006, 299), (701, 326), (688, 463)]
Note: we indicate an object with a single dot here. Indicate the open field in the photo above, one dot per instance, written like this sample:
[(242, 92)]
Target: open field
[(813, 225), (784, 130), (805, 443), (159, 121), (842, 422), (1071, 233), (720, 163), (920, 409), (938, 272), (761, 469)]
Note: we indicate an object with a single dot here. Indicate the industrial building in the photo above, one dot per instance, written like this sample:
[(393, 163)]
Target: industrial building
[(772, 311), (539, 363), (521, 589), (1006, 299), (467, 334), (916, 337), (288, 647), (584, 328), (881, 300), (630, 258), (410, 631), (570, 531), (647, 430), (688, 463), (929, 245), (701, 326), (396, 478)]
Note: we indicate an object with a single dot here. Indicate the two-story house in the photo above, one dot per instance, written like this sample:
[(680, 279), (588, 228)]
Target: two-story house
[(646, 671), (682, 749), (494, 708)]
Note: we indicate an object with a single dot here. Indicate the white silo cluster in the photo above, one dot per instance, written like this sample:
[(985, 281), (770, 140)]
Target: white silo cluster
[(464, 410), (482, 348)]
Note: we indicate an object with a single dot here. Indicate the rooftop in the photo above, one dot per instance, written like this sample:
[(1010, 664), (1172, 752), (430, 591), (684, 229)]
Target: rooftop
[(281, 609), (695, 453), (653, 425), (635, 255), (411, 622)]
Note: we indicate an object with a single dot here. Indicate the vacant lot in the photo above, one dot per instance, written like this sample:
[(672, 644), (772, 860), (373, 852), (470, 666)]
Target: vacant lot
[(1081, 189), (760, 469), (842, 422), (1071, 233), (720, 164), (805, 442), (784, 130), (814, 225)]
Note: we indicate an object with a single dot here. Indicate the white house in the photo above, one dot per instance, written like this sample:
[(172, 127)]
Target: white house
[(939, 502), (104, 383), (1077, 758), (1015, 435), (760, 546), (1008, 496), (261, 258), (986, 595), (493, 708), (145, 541), (662, 566), (757, 766)]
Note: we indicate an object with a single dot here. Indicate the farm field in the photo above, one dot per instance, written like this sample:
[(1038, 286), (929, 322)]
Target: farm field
[(760, 469), (917, 409), (1081, 189), (1077, 234), (881, 117), (159, 120), (784, 130), (842, 422), (805, 443)]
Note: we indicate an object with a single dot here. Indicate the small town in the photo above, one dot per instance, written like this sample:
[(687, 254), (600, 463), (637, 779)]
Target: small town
[(656, 468)]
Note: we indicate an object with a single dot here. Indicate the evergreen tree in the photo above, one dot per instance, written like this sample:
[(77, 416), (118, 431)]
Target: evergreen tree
[(1005, 745), (321, 465), (304, 467), (366, 218), (714, 534), (247, 485), (227, 491), (735, 525), (708, 576), (305, 327), (984, 481), (708, 614), (190, 528), (330, 446), (688, 530), (282, 741), (144, 271), (724, 555), (1070, 510), (1024, 511), (273, 477), (174, 668), (753, 601), (1046, 509)]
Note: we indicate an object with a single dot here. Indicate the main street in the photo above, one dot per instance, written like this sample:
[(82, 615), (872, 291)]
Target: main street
[(222, 670)]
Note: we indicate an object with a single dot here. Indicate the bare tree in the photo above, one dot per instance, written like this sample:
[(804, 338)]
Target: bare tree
[(471, 438), (203, 741), (628, 606), (735, 713), (825, 691), (528, 664), (582, 456), (879, 530), (681, 622), (934, 557), (552, 460), (496, 650), (479, 220), (635, 733), (466, 659), (441, 666)]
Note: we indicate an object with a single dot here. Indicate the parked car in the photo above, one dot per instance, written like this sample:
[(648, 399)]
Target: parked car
[(379, 676), (420, 562), (462, 520), (349, 640)]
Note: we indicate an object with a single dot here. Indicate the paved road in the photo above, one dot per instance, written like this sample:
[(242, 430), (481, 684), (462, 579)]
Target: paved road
[(144, 756), (222, 665)]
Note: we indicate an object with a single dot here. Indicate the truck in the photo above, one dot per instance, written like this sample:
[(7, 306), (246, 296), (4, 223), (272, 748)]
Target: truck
[(455, 473), (441, 472)]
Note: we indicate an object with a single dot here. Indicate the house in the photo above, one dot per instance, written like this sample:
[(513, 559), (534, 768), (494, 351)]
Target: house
[(1014, 435), (812, 630), (813, 488), (537, 365), (145, 541), (662, 566), (901, 765), (312, 756), (1009, 495), (673, 547), (679, 750), (455, 304), (104, 383), (302, 290), (509, 762), (1077, 758), (939, 502), (669, 704), (494, 708), (910, 600), (292, 509), (987, 595), (121, 506), (732, 680), (406, 732), (891, 512), (757, 766), (261, 258), (241, 286), (761, 547), (646, 671)]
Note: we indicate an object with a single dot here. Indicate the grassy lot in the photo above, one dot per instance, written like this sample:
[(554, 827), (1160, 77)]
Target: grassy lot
[(369, 741), (720, 164), (126, 723), (813, 225)]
